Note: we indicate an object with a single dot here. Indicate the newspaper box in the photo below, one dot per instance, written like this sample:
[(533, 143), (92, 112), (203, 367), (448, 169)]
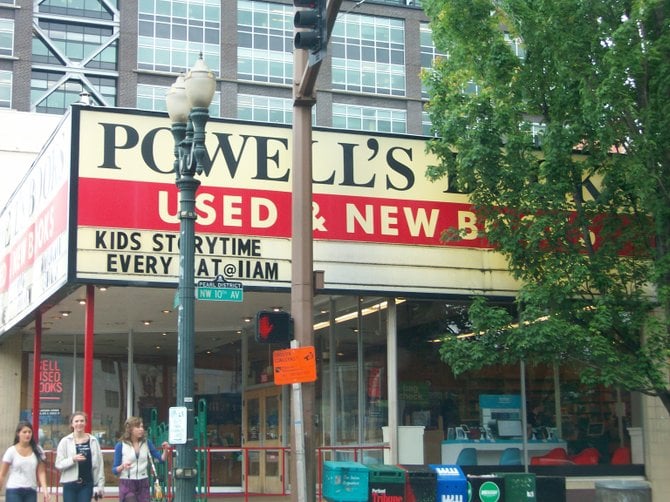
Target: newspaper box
[(452, 485), (345, 482), (487, 488), (386, 483), (519, 486), (421, 485)]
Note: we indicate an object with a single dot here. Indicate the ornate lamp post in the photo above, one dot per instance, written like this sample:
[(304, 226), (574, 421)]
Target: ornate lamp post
[(188, 101)]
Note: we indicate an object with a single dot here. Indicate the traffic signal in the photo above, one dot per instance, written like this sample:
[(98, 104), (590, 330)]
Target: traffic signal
[(311, 23), (274, 327)]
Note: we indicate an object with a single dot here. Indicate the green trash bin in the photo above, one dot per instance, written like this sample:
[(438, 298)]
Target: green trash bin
[(386, 482), (486, 488), (519, 486)]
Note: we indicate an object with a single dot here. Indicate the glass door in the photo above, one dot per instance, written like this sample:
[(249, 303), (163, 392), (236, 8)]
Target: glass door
[(262, 430)]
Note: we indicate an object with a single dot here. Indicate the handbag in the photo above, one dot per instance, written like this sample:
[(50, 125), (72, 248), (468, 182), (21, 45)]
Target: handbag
[(158, 489)]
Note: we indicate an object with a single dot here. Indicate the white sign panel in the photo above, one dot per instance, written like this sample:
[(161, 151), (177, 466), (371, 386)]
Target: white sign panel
[(34, 232), (177, 425)]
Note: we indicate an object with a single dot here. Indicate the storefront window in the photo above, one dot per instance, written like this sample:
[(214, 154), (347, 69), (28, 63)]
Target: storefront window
[(153, 388), (559, 407), (351, 332), (351, 399)]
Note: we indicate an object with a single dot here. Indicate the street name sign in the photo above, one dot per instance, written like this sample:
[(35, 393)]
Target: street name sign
[(220, 290)]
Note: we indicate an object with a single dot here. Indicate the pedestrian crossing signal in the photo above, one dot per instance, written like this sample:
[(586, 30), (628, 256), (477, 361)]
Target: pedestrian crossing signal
[(274, 327)]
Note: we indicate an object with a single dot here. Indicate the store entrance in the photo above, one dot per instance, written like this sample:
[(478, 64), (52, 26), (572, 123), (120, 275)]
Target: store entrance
[(262, 432)]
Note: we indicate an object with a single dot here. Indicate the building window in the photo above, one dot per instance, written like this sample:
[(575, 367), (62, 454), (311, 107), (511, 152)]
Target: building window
[(111, 399), (537, 130), (6, 37), (105, 59), (92, 9), (426, 124), (367, 118), (472, 88), (369, 55), (5, 89), (105, 86), (54, 92), (517, 46), (42, 53), (428, 53), (152, 97), (264, 109), (265, 42), (74, 42), (172, 34), (74, 49)]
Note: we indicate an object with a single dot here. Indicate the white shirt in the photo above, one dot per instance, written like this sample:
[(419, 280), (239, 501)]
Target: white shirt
[(22, 470)]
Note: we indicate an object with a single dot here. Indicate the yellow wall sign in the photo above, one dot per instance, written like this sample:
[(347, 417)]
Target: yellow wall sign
[(373, 208), (294, 365)]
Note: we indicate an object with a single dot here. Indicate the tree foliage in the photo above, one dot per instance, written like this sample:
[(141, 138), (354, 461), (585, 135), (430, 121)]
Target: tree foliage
[(563, 143)]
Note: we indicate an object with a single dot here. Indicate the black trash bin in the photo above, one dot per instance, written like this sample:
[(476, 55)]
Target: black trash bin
[(550, 489), (622, 490), (421, 484), (386, 482)]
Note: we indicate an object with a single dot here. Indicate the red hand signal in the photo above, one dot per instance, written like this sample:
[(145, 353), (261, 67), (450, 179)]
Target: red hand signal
[(265, 327)]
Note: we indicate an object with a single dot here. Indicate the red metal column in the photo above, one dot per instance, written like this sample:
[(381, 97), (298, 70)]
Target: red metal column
[(88, 353), (37, 374)]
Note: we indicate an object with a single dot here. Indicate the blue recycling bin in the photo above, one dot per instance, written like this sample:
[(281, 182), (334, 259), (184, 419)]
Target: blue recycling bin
[(345, 482), (452, 485)]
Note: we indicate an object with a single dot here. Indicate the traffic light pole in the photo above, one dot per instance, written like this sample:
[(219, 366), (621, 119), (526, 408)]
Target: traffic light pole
[(299, 438), (302, 282), (302, 259)]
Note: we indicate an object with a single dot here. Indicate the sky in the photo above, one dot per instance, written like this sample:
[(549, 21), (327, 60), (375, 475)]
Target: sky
[(22, 136)]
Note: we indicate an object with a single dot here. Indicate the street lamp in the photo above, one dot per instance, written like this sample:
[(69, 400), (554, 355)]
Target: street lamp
[(188, 101)]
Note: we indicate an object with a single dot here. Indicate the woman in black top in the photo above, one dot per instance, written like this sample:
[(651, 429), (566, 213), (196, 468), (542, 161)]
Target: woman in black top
[(79, 460)]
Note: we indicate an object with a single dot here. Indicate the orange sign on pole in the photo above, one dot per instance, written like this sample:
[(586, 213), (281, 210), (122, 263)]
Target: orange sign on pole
[(294, 365)]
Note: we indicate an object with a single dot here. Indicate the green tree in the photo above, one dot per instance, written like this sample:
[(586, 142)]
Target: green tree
[(555, 116)]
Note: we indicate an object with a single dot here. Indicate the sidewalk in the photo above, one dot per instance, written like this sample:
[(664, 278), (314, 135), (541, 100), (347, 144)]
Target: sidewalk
[(217, 497), (254, 498)]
